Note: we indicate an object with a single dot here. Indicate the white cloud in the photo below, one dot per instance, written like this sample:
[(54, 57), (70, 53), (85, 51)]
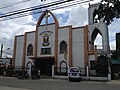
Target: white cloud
[(78, 16), (113, 45), (60, 19), (98, 41), (10, 28), (17, 6)]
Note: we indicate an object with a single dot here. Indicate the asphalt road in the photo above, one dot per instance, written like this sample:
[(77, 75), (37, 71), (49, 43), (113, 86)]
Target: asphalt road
[(55, 84)]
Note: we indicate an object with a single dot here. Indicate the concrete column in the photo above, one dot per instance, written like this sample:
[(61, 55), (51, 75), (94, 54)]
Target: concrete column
[(105, 39), (90, 15), (87, 71), (53, 70), (109, 68)]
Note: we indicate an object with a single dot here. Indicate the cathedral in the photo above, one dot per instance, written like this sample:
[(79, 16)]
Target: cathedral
[(64, 46)]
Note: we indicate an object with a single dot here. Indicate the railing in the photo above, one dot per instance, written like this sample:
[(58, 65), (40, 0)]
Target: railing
[(64, 71), (61, 71)]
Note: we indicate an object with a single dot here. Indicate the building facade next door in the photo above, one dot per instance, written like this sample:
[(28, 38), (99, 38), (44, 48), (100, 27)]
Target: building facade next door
[(45, 65)]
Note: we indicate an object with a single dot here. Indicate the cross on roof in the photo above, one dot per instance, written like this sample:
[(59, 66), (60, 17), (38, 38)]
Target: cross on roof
[(46, 17)]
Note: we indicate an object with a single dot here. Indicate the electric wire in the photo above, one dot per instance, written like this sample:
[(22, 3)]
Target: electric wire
[(34, 8), (22, 15), (50, 8), (13, 4)]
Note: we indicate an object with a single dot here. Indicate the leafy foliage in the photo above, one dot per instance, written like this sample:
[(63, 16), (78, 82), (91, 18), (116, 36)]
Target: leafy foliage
[(108, 10)]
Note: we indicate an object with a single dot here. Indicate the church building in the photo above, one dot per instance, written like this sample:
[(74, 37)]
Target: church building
[(63, 46)]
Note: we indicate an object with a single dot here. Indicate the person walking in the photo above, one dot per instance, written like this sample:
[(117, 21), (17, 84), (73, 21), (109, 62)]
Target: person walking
[(38, 74)]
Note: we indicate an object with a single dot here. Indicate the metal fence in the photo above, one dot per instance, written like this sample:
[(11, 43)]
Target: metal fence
[(61, 71), (64, 71), (96, 72)]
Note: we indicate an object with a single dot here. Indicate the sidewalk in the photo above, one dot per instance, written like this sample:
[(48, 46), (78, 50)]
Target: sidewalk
[(112, 82), (11, 88)]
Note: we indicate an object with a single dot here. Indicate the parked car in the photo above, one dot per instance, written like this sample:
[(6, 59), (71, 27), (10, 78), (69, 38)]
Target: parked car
[(74, 74)]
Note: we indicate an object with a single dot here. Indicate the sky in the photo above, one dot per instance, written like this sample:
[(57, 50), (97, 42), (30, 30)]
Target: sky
[(67, 16)]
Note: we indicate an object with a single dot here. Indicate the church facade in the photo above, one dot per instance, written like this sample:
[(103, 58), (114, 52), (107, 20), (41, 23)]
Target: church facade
[(63, 46)]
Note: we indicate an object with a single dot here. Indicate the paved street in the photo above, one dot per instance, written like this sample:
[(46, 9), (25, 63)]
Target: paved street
[(55, 84)]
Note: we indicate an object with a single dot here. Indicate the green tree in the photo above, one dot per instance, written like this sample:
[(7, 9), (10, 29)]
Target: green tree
[(108, 10)]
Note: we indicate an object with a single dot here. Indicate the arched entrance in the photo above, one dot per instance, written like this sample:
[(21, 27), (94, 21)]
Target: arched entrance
[(44, 64), (63, 67), (29, 68)]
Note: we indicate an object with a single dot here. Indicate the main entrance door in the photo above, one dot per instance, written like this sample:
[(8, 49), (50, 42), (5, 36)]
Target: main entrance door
[(45, 65)]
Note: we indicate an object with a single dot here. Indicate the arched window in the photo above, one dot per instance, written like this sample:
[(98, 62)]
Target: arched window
[(30, 49), (96, 38), (63, 47)]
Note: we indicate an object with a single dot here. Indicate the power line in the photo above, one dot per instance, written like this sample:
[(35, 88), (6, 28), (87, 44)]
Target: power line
[(53, 8), (50, 8), (34, 8), (13, 4)]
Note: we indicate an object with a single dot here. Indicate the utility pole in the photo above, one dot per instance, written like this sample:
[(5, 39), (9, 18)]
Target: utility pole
[(1, 50)]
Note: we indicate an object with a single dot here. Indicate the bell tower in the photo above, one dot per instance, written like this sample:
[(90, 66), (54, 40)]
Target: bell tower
[(97, 27), (92, 14)]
